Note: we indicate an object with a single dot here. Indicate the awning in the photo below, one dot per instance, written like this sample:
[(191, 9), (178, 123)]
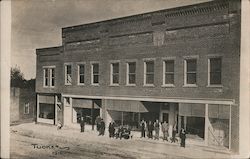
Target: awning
[(219, 111), (46, 99), (132, 106), (188, 109), (84, 103)]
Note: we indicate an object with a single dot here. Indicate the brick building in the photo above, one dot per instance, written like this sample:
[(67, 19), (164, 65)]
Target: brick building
[(180, 65)]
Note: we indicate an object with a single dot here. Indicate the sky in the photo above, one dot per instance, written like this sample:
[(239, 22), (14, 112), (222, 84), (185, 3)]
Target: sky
[(38, 23)]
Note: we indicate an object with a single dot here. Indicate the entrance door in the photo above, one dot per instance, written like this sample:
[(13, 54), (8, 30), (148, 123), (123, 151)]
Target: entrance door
[(165, 117)]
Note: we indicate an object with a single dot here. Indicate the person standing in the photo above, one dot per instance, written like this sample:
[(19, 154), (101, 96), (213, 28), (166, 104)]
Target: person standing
[(102, 127), (82, 124), (97, 122), (164, 128), (174, 133), (183, 137), (111, 129), (143, 128), (157, 129), (150, 129)]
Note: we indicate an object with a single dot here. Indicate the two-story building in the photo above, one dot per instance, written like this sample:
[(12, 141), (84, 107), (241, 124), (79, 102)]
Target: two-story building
[(180, 65)]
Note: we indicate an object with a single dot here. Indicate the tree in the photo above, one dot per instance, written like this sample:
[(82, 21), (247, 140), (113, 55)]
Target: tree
[(17, 79)]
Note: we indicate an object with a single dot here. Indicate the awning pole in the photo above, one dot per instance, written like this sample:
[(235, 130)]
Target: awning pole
[(92, 115)]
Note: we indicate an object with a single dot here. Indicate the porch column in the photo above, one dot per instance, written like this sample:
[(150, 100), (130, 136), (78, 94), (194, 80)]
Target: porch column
[(55, 118), (37, 107), (105, 115), (206, 124), (230, 125)]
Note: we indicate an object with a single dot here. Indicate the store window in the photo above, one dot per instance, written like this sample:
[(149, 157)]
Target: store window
[(46, 111)]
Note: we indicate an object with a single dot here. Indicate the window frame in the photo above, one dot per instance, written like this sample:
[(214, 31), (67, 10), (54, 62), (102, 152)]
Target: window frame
[(164, 72), (79, 75), (209, 68), (49, 68), (24, 112), (185, 71), (112, 73), (65, 74), (128, 73), (145, 72), (92, 73)]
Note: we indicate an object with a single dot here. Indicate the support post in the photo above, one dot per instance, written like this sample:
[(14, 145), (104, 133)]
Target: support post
[(206, 124), (92, 115), (230, 125)]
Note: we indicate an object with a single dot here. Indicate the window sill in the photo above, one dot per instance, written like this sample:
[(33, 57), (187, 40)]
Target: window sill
[(67, 84), (215, 86), (48, 86), (148, 85), (114, 85), (93, 84), (168, 85), (190, 86), (81, 84), (131, 85)]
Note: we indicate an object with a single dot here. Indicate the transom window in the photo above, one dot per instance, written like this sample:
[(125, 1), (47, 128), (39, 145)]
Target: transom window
[(190, 71), (95, 73), (215, 65), (149, 73), (68, 74), (168, 74), (81, 72), (49, 76), (115, 73), (131, 74)]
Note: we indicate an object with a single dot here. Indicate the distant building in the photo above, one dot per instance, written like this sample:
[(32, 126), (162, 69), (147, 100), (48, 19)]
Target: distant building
[(177, 65), (23, 105)]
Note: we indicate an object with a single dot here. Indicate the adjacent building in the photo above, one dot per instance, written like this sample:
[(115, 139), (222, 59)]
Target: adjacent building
[(180, 65)]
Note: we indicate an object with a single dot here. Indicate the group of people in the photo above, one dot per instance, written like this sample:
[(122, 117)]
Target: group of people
[(120, 132), (149, 127)]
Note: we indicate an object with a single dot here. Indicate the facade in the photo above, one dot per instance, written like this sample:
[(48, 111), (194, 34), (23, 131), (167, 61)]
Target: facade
[(179, 65), (22, 105)]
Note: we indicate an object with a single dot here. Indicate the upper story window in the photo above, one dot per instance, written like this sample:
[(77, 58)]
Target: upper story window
[(190, 72), (68, 74), (95, 73), (49, 76), (81, 72), (26, 108), (214, 69), (149, 73), (115, 73), (131, 73), (168, 72)]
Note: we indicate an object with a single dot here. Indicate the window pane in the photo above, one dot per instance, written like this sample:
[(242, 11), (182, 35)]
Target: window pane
[(150, 66), (191, 78), (131, 79), (81, 69), (68, 67), (150, 79), (96, 79), (46, 111), (115, 67), (81, 80), (46, 81), (46, 72), (69, 80), (52, 81), (215, 78), (191, 65), (132, 67), (215, 64), (169, 66), (116, 78), (52, 72), (169, 78), (95, 68)]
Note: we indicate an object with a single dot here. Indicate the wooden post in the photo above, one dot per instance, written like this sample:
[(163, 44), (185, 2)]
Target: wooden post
[(206, 124), (230, 125), (92, 115)]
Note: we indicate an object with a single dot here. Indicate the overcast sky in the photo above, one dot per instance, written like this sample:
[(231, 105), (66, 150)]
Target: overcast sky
[(38, 23)]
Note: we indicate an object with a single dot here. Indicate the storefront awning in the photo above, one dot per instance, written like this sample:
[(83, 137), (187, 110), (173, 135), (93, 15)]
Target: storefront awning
[(188, 109), (84, 103)]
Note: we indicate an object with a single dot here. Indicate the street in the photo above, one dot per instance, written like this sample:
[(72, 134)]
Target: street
[(32, 140)]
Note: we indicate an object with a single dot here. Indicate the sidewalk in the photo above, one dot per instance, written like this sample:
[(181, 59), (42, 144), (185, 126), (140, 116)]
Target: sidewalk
[(135, 145)]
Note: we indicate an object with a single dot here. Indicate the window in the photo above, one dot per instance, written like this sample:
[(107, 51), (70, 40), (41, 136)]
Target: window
[(131, 74), (190, 71), (81, 70), (168, 74), (149, 73), (26, 108), (95, 73), (68, 75), (115, 73), (49, 76), (214, 77)]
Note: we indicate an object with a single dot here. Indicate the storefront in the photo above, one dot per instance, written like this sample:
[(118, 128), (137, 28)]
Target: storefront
[(46, 109)]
